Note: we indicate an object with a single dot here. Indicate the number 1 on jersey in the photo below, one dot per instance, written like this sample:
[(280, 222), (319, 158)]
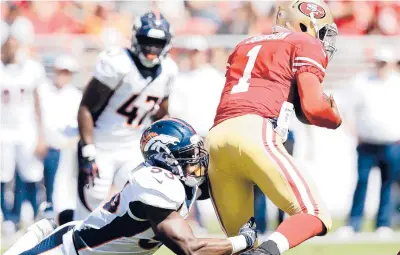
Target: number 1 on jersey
[(243, 85)]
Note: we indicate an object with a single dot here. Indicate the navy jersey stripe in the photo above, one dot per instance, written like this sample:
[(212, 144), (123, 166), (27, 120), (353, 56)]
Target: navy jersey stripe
[(51, 242), (122, 226)]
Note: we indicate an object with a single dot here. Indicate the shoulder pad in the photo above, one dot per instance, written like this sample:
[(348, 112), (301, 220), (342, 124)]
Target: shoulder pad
[(111, 66), (170, 66), (157, 187)]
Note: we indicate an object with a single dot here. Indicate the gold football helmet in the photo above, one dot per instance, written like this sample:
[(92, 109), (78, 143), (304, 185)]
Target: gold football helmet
[(309, 16)]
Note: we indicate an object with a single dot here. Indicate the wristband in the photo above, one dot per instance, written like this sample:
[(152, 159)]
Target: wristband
[(239, 243), (89, 151)]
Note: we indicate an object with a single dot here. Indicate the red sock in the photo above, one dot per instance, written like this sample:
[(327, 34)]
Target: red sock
[(300, 227)]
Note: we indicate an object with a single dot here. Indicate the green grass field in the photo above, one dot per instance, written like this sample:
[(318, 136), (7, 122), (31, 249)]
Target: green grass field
[(328, 249), (345, 248), (336, 249)]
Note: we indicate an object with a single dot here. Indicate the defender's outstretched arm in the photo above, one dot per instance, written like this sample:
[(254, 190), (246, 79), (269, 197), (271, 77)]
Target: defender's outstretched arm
[(177, 235)]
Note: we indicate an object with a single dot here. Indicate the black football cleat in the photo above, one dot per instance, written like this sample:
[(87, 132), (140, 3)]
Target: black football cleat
[(266, 248)]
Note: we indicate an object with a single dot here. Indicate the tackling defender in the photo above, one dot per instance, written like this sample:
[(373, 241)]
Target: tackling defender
[(128, 91), (150, 209), (268, 76)]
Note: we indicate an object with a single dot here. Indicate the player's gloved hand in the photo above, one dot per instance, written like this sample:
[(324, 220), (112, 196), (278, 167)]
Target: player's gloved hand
[(88, 165), (166, 161), (249, 232)]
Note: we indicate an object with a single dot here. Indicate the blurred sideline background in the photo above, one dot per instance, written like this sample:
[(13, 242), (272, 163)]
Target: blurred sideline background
[(83, 29)]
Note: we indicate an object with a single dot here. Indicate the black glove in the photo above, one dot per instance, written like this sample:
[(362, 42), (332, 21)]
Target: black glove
[(87, 165), (249, 231), (166, 161)]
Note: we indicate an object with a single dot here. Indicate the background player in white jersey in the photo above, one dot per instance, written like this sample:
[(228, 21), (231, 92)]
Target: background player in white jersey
[(150, 209), (128, 91), (22, 140)]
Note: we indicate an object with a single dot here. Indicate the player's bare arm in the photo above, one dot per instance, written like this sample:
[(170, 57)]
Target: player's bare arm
[(317, 107), (177, 235), (95, 97)]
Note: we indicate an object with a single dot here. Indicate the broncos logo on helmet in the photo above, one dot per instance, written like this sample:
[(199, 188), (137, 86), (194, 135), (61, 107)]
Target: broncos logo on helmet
[(183, 145), (151, 39), (160, 142)]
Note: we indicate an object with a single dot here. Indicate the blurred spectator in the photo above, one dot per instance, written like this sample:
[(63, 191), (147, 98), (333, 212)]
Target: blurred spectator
[(374, 108), (352, 17), (219, 58), (51, 17), (9, 12), (366, 17), (60, 102), (243, 20), (203, 18), (112, 27), (250, 17), (387, 21), (195, 93), (22, 144), (97, 20)]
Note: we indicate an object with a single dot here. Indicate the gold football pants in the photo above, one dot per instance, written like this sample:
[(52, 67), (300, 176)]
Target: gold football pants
[(246, 150)]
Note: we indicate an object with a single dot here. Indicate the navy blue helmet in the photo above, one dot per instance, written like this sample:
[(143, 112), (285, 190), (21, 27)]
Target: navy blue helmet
[(178, 139), (151, 39)]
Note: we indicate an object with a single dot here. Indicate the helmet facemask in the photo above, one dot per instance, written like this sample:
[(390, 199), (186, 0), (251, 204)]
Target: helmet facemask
[(151, 51), (193, 160), (327, 35)]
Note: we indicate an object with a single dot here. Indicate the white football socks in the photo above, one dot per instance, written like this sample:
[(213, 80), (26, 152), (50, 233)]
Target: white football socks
[(33, 236), (280, 240)]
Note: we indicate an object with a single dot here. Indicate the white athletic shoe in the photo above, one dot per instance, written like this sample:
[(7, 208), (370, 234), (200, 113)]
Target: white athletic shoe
[(8, 228), (43, 228), (345, 232), (384, 232)]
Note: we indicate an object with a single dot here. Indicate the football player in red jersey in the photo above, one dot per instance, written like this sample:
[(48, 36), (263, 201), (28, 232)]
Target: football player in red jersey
[(267, 77)]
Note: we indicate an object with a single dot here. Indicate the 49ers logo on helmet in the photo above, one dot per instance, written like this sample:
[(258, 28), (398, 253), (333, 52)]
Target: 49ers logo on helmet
[(308, 8)]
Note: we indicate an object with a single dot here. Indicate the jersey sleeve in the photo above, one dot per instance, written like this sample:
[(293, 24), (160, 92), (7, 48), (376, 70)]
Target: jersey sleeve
[(158, 187), (111, 66), (310, 57)]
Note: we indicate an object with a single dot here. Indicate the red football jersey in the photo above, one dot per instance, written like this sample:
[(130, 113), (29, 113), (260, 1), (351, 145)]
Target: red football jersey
[(261, 72)]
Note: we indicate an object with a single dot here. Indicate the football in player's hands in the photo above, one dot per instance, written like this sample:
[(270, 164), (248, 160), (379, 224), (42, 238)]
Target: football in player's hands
[(299, 111)]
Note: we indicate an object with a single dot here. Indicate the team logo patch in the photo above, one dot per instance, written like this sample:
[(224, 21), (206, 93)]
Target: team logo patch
[(308, 8), (146, 138), (160, 142)]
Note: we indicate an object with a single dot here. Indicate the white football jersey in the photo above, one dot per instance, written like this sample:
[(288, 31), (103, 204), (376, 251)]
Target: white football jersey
[(134, 100), (121, 225), (18, 83)]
